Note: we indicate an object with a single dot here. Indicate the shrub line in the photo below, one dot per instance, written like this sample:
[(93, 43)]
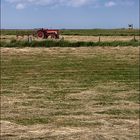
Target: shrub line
[(61, 43)]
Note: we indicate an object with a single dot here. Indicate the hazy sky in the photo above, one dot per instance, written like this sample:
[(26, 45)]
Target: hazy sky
[(69, 13)]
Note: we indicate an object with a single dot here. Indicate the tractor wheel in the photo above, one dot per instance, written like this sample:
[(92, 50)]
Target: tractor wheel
[(40, 34)]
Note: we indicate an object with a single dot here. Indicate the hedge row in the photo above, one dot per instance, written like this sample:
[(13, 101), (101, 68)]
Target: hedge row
[(53, 43)]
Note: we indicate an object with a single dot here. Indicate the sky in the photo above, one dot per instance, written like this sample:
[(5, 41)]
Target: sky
[(69, 14)]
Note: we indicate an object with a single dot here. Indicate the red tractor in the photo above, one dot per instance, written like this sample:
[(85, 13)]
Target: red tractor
[(45, 33)]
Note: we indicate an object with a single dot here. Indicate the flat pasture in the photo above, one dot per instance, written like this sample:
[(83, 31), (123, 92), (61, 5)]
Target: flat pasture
[(76, 38), (80, 32), (84, 93)]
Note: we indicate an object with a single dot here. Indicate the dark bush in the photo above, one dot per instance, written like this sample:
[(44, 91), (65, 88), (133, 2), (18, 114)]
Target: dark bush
[(61, 43)]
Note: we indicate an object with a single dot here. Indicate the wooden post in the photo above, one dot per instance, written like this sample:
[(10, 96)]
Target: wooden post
[(134, 38), (99, 39), (29, 39)]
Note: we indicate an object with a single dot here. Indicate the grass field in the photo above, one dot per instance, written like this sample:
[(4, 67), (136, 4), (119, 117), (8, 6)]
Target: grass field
[(102, 32), (75, 38), (50, 43), (70, 93), (82, 32), (24, 42)]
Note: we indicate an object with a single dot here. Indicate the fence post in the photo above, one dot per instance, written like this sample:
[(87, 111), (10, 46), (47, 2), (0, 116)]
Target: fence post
[(134, 38), (29, 39), (99, 39)]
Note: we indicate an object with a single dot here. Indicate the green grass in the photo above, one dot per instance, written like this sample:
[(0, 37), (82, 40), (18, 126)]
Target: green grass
[(80, 123), (46, 87), (85, 32), (51, 43), (118, 112), (32, 121), (16, 32), (102, 32)]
